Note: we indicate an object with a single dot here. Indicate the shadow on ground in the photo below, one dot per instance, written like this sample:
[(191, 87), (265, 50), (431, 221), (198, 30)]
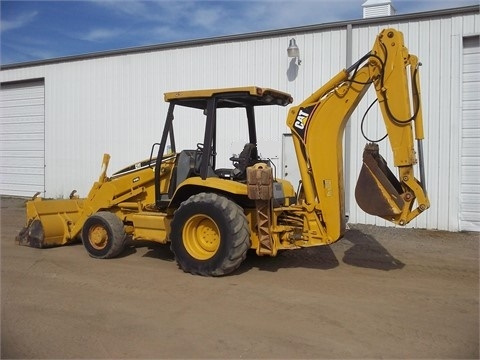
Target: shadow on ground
[(358, 248), (367, 252), (155, 250)]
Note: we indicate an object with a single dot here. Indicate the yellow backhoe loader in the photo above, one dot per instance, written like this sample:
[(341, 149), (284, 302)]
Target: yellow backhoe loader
[(211, 216)]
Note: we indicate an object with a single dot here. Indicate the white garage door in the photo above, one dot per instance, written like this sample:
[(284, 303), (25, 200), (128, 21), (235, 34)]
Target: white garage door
[(22, 149), (470, 150)]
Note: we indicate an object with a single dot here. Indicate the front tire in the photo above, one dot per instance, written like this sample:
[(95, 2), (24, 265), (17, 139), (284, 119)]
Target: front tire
[(103, 235), (209, 235)]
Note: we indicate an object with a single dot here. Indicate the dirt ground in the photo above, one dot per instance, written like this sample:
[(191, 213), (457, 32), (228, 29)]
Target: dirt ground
[(377, 293)]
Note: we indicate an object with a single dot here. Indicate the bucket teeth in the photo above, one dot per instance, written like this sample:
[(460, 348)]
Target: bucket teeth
[(32, 235)]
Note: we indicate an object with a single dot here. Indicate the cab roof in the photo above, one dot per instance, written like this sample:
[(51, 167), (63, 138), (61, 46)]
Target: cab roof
[(230, 97)]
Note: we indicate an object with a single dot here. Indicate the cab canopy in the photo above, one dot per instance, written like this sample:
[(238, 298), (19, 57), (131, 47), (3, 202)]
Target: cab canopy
[(207, 102), (230, 97)]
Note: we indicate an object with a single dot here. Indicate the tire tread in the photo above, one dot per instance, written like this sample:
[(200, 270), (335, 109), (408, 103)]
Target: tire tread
[(237, 223), (118, 235)]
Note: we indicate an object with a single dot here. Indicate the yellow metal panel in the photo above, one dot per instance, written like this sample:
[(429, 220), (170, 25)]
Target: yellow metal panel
[(150, 226), (230, 186)]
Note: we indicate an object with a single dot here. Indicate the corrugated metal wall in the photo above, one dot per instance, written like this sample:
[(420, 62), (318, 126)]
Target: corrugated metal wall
[(115, 104)]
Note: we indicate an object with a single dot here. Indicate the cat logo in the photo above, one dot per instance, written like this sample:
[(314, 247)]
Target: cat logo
[(300, 121)]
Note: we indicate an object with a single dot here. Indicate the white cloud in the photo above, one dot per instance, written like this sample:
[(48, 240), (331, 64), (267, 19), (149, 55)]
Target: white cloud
[(187, 19), (18, 22), (209, 17), (26, 51), (162, 32), (101, 34), (131, 8)]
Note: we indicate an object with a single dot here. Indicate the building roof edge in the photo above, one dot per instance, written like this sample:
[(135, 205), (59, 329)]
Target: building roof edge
[(245, 36)]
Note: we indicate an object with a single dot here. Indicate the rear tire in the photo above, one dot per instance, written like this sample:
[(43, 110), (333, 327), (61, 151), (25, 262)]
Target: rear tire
[(209, 235), (103, 235)]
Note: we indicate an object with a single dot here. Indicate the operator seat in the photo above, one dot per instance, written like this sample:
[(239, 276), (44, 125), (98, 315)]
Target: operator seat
[(247, 157)]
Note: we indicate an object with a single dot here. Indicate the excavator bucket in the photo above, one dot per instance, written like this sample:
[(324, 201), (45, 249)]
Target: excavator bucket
[(378, 191), (49, 223)]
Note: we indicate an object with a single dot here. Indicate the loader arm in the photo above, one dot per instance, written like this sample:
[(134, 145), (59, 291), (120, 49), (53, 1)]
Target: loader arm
[(318, 124), (56, 222)]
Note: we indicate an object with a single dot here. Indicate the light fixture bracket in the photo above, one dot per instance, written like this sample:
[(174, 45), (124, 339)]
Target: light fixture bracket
[(293, 51)]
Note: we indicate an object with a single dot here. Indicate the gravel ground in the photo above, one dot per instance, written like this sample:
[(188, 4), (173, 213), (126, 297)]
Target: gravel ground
[(377, 293)]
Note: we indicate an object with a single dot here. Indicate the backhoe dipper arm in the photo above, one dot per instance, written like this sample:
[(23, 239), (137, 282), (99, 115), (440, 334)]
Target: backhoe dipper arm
[(318, 124)]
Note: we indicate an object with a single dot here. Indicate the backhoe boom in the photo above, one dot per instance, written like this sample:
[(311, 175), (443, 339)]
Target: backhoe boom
[(318, 125)]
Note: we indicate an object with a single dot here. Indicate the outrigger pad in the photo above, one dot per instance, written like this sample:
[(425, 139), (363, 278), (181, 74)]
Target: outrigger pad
[(378, 191), (31, 235)]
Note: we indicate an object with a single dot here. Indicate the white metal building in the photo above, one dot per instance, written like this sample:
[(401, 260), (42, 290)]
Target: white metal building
[(59, 116)]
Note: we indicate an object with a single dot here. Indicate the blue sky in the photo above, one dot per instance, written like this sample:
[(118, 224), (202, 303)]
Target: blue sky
[(35, 30)]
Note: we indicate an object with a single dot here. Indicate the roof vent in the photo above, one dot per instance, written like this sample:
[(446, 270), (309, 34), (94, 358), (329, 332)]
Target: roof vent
[(374, 8)]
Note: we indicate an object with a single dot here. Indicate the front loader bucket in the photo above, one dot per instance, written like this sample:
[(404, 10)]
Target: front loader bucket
[(50, 223), (378, 191)]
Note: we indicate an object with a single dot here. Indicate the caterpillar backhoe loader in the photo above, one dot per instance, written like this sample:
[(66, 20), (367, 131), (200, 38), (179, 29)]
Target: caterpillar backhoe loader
[(211, 215)]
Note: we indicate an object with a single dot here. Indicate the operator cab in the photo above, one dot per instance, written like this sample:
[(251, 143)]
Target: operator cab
[(202, 113)]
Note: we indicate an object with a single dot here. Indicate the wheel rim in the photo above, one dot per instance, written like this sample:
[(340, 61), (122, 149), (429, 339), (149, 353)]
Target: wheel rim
[(201, 237), (98, 237)]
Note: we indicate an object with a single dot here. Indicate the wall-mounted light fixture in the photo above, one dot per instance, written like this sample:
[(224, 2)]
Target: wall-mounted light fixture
[(293, 51)]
